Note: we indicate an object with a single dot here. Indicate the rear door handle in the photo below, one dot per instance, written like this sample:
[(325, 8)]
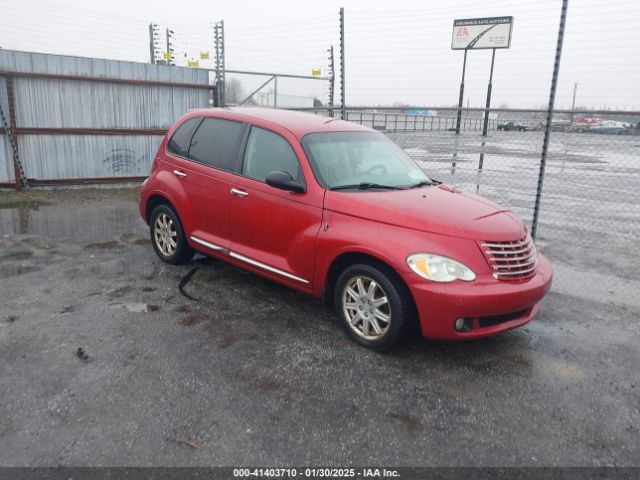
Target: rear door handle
[(178, 173), (239, 193)]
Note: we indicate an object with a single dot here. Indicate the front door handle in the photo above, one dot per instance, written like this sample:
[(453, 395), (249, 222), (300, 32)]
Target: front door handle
[(178, 173), (239, 193)]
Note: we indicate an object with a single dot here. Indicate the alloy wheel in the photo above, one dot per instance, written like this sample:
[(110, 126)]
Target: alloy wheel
[(366, 307), (165, 235)]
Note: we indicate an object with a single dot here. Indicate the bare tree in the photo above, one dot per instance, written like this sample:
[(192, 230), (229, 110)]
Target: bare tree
[(233, 91)]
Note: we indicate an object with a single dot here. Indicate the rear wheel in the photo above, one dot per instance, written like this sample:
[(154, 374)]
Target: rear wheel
[(168, 237), (372, 306)]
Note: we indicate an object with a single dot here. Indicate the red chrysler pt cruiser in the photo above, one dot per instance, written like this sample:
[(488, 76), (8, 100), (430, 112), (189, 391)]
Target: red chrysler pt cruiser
[(338, 211)]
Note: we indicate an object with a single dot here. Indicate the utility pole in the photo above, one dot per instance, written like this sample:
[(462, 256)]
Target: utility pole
[(343, 107), (155, 44), (218, 40), (152, 47), (332, 80), (170, 49), (573, 103)]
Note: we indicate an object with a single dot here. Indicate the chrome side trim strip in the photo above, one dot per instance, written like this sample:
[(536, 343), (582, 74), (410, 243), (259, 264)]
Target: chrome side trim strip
[(248, 260), (255, 263), (212, 246)]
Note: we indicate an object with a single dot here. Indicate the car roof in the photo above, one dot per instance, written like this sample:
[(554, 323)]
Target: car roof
[(298, 123)]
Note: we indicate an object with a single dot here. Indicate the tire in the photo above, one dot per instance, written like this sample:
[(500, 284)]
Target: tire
[(164, 226), (351, 307)]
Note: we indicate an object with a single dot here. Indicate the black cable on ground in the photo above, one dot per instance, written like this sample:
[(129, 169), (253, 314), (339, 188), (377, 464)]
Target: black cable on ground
[(186, 280)]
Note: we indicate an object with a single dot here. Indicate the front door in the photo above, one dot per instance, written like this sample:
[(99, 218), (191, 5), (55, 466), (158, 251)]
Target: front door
[(274, 231)]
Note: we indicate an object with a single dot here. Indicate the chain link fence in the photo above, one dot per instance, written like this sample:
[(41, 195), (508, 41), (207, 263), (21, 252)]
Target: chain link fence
[(589, 219), (589, 212), (277, 90)]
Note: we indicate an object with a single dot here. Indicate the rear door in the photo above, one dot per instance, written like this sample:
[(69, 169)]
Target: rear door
[(274, 230), (206, 172)]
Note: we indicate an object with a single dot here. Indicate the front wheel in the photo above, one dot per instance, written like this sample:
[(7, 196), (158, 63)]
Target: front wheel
[(168, 237), (372, 306)]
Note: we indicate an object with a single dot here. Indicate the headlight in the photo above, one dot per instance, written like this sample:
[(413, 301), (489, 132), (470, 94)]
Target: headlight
[(439, 269)]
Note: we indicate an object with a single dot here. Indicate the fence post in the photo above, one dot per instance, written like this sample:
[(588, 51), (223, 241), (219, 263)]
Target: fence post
[(17, 173), (220, 64), (547, 127), (343, 107), (332, 81), (275, 93)]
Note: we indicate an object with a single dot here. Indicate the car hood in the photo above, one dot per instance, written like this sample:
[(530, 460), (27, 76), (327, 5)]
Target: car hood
[(440, 209)]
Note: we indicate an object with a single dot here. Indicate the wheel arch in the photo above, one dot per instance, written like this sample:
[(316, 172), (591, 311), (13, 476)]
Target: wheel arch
[(153, 201), (347, 259)]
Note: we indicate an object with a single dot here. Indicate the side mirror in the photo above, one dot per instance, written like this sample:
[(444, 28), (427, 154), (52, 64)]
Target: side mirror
[(284, 181)]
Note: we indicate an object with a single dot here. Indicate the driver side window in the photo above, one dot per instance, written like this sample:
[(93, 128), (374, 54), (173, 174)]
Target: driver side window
[(267, 151)]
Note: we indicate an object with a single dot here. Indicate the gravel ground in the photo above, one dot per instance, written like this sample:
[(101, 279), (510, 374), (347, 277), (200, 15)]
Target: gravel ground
[(253, 373)]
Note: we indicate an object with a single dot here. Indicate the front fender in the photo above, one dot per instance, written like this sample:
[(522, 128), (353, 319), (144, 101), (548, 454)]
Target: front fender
[(390, 244)]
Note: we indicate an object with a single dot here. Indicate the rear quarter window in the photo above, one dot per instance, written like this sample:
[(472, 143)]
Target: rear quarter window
[(181, 139)]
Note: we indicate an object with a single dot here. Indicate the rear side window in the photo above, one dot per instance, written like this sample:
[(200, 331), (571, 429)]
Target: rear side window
[(216, 143), (267, 151), (181, 139)]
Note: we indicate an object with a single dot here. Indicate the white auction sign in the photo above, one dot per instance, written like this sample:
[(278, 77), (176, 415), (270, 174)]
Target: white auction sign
[(479, 33)]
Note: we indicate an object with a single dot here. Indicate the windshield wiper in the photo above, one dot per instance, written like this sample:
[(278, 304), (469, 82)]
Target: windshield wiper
[(365, 186), (422, 183)]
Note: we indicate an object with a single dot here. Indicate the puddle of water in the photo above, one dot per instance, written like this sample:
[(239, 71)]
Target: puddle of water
[(17, 204), (101, 245), (20, 255), (92, 223), (10, 270)]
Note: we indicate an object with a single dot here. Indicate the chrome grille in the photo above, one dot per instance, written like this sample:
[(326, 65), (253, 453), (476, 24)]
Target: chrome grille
[(514, 260)]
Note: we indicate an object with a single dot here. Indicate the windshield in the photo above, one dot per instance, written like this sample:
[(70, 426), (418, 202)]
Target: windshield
[(343, 159)]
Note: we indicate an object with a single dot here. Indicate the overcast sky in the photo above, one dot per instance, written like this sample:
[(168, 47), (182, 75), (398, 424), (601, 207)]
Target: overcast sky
[(395, 51)]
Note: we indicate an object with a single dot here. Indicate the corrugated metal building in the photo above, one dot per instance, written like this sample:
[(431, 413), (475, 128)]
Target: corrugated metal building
[(84, 118)]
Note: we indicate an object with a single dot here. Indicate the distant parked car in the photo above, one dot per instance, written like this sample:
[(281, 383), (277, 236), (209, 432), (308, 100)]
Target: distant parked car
[(608, 130), (512, 126), (338, 211)]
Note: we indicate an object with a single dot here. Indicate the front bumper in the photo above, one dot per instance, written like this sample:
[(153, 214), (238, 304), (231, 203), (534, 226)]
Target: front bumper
[(491, 306)]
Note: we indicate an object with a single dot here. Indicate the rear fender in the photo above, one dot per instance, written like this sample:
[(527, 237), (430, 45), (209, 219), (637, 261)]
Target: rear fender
[(171, 188)]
